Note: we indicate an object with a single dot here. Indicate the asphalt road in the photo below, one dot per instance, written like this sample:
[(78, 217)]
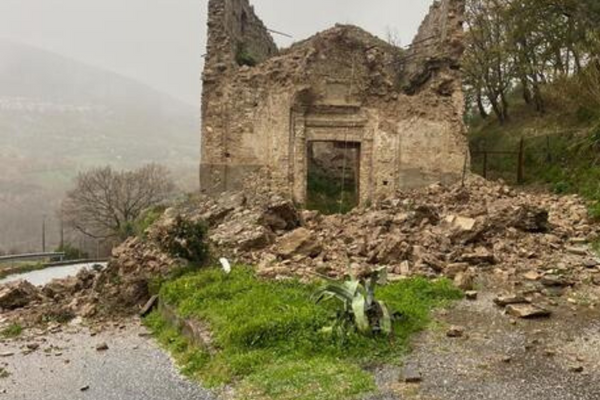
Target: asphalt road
[(496, 360), (67, 366)]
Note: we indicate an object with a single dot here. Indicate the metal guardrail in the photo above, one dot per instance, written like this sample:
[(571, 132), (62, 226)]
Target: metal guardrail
[(75, 262), (31, 256)]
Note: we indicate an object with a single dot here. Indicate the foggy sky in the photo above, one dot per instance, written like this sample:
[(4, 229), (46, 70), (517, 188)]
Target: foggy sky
[(160, 42)]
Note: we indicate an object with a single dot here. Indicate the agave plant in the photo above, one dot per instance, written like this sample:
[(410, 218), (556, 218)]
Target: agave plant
[(360, 308)]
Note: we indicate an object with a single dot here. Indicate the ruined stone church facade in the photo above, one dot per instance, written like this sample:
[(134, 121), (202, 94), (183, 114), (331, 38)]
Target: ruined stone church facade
[(400, 109)]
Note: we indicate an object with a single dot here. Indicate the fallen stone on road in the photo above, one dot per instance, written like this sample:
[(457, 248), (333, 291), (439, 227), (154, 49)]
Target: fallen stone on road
[(527, 311), (17, 295)]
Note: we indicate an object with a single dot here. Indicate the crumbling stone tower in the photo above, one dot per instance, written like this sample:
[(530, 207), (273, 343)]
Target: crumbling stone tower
[(399, 110)]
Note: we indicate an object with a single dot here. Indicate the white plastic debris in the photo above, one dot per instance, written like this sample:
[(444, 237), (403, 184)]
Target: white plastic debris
[(226, 265)]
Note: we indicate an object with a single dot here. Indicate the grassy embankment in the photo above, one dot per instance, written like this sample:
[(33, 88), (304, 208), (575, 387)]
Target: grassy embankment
[(19, 268), (268, 336)]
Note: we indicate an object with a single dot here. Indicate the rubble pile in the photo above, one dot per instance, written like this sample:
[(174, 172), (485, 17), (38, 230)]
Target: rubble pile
[(531, 245), (117, 290), (538, 242)]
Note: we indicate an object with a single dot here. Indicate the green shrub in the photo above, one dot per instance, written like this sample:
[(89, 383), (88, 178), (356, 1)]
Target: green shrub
[(71, 252), (147, 219), (327, 195), (244, 57), (186, 239), (561, 187)]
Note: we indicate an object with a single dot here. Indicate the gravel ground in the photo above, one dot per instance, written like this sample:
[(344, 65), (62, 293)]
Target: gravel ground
[(67, 366), (500, 359)]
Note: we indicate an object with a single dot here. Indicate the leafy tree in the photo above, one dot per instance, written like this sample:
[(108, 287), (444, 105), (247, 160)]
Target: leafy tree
[(525, 44)]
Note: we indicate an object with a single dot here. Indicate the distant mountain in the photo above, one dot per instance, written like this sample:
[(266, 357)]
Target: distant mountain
[(52, 107), (59, 116)]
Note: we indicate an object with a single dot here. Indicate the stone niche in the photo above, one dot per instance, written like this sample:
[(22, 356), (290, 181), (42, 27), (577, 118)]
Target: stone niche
[(390, 118)]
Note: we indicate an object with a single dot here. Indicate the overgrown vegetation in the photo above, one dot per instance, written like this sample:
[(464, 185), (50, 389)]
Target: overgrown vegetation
[(561, 147), (244, 57), (12, 331), (329, 195), (269, 336)]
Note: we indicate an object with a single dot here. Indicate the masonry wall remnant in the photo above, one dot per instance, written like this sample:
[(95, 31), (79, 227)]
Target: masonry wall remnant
[(263, 106)]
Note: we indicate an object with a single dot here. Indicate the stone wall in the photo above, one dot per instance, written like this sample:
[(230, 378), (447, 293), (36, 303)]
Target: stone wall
[(342, 85), (232, 26)]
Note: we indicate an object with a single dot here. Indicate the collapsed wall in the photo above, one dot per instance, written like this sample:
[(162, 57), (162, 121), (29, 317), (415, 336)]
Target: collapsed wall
[(263, 108)]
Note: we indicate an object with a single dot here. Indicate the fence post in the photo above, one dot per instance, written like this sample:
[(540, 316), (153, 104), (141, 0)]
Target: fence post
[(521, 166), (485, 163)]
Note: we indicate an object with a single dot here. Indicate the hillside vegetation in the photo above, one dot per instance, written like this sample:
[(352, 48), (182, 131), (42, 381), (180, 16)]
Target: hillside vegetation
[(532, 78), (561, 145)]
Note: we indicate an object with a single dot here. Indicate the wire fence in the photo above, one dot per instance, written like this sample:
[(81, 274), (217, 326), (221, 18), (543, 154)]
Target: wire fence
[(523, 160)]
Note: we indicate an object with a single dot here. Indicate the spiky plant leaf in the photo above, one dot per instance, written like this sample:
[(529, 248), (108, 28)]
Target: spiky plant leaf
[(385, 322), (336, 290), (360, 314), (352, 287)]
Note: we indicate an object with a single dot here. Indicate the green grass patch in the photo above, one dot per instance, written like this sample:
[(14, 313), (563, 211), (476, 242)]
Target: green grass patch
[(12, 331), (269, 335)]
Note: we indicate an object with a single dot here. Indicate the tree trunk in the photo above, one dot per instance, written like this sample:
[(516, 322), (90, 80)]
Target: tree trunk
[(526, 90), (482, 111)]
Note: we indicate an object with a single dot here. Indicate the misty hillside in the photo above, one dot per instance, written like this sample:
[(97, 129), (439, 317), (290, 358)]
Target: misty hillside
[(53, 108), (59, 116)]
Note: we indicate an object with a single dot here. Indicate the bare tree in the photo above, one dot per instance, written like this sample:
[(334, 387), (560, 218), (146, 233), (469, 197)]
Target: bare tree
[(105, 203), (392, 36)]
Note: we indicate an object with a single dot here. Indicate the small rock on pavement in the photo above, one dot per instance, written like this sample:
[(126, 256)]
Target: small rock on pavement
[(527, 311), (33, 346), (456, 332), (464, 280), (471, 294), (102, 347), (84, 388), (576, 369), (411, 374), (509, 299)]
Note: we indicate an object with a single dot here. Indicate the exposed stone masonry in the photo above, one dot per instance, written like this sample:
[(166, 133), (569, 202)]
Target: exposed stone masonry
[(401, 109)]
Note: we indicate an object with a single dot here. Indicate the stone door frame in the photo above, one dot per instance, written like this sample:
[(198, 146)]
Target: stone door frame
[(343, 124)]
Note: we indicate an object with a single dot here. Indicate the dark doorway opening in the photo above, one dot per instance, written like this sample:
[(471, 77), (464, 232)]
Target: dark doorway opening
[(333, 176)]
